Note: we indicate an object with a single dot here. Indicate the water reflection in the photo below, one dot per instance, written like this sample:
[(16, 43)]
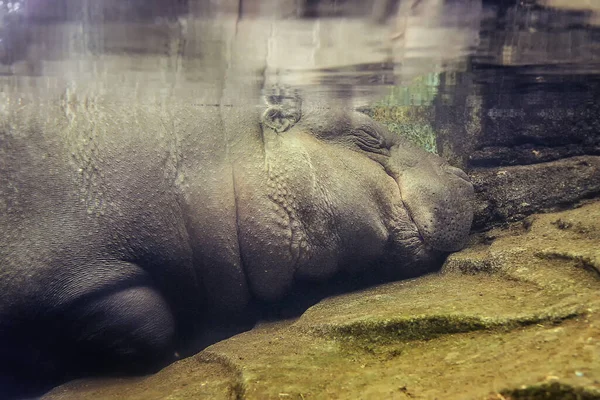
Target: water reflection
[(230, 51), (241, 46)]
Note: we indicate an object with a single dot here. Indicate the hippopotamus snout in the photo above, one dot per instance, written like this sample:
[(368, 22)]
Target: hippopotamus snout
[(439, 200)]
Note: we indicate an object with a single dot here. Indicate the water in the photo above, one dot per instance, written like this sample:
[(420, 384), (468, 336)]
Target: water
[(345, 50), (339, 53), (487, 85)]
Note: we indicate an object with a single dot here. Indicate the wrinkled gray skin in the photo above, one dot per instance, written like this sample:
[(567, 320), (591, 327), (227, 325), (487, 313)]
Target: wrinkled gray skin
[(119, 224)]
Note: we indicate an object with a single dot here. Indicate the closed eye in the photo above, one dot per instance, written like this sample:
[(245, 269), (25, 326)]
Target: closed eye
[(369, 140)]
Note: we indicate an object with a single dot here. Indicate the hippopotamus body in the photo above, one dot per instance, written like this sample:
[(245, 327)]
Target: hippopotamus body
[(120, 223)]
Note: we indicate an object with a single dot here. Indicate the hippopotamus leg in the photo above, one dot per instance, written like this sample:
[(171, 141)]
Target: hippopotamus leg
[(122, 327)]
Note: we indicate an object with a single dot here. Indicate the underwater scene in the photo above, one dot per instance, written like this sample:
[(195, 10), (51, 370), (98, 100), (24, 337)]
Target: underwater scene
[(300, 199)]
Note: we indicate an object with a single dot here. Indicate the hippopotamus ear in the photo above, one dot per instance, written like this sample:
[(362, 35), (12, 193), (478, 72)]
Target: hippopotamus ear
[(283, 112), (280, 118)]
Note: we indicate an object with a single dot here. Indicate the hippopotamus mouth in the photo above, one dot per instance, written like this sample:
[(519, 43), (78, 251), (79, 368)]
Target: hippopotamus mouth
[(419, 240), (436, 211), (445, 224)]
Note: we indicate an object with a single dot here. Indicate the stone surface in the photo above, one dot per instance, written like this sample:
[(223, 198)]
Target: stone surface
[(533, 86), (213, 378), (516, 315), (502, 116), (512, 193)]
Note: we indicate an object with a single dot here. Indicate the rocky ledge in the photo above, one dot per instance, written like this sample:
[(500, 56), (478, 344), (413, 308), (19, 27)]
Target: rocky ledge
[(516, 315)]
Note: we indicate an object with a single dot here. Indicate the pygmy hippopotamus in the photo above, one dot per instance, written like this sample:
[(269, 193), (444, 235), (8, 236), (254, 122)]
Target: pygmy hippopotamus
[(121, 223)]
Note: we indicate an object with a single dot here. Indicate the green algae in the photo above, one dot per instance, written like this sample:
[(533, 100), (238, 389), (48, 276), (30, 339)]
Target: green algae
[(411, 122), (428, 327), (407, 111)]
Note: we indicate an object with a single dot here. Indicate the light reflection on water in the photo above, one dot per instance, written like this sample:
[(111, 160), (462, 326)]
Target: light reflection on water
[(350, 52)]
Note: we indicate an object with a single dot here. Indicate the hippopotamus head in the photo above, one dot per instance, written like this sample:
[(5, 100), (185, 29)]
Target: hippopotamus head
[(334, 190)]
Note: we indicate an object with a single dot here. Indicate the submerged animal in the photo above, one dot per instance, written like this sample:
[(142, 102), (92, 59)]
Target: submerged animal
[(120, 224)]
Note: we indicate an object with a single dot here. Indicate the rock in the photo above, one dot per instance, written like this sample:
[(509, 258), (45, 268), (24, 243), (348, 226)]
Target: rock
[(203, 376), (516, 315), (528, 146), (553, 390), (511, 193)]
